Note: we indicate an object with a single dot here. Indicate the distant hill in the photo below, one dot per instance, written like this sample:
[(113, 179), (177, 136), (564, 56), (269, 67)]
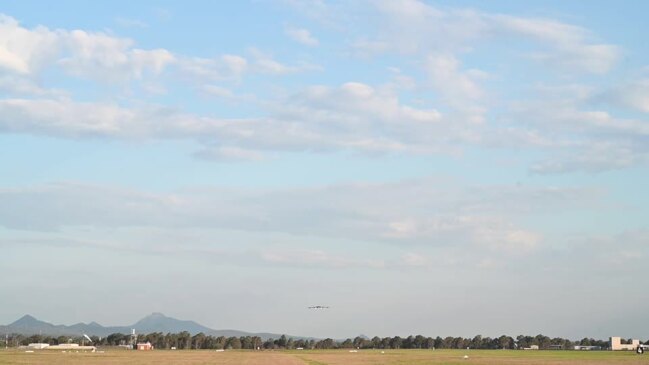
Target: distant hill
[(158, 322), (155, 322)]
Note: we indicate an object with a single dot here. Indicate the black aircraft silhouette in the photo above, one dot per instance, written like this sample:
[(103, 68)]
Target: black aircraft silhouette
[(319, 307)]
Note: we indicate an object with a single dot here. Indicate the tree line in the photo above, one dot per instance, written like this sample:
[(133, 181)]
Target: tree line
[(185, 341)]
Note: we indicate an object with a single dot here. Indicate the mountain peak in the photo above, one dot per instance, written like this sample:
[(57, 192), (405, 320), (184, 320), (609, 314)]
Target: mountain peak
[(27, 320), (158, 322)]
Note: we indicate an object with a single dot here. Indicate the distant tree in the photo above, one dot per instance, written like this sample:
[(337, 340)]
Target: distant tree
[(269, 344), (396, 342), (257, 342), (209, 343), (197, 340), (347, 344), (459, 343), (157, 339), (290, 344), (233, 343), (543, 341), (282, 341), (419, 342), (325, 344), (407, 343), (476, 342), (246, 342), (184, 340), (300, 343), (310, 344), (18, 340), (385, 342), (505, 342), (525, 341), (219, 342), (430, 342)]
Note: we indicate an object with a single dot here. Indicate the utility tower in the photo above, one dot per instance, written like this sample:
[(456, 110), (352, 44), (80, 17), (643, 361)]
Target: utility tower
[(133, 342)]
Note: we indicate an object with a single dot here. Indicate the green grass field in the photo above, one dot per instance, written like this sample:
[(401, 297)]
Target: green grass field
[(324, 357)]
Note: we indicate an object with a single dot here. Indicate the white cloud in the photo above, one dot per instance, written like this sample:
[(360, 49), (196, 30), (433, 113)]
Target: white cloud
[(104, 57), (570, 43), (368, 48), (361, 117), (66, 118), (302, 36), (318, 258), (354, 116), (131, 23), (234, 67), (155, 61), (581, 135), (218, 91), (633, 95), (415, 27), (458, 88), (14, 84), (448, 78), (594, 157), (229, 154), (435, 214), (617, 253), (226, 67), (62, 118), (412, 259), (492, 233), (265, 64), (80, 53), (23, 50), (327, 13)]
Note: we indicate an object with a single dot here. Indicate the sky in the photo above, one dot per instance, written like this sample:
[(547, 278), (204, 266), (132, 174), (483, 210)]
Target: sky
[(444, 168)]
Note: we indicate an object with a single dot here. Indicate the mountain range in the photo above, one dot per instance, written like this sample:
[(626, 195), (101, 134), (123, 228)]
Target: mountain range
[(155, 322)]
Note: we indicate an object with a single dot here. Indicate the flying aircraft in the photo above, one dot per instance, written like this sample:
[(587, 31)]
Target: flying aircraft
[(319, 307)]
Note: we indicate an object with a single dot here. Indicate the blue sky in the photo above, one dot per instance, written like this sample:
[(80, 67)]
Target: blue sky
[(426, 158)]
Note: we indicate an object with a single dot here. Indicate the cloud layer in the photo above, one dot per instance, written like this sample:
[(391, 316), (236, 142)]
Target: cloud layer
[(449, 108)]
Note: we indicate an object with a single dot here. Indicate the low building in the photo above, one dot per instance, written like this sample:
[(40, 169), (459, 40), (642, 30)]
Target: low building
[(38, 346), (144, 346), (615, 344), (587, 348), (532, 347), (71, 347)]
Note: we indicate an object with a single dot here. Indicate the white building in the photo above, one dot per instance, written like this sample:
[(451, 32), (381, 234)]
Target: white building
[(616, 344), (38, 346), (71, 347)]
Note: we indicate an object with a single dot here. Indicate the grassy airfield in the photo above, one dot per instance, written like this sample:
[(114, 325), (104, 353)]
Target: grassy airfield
[(324, 357)]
